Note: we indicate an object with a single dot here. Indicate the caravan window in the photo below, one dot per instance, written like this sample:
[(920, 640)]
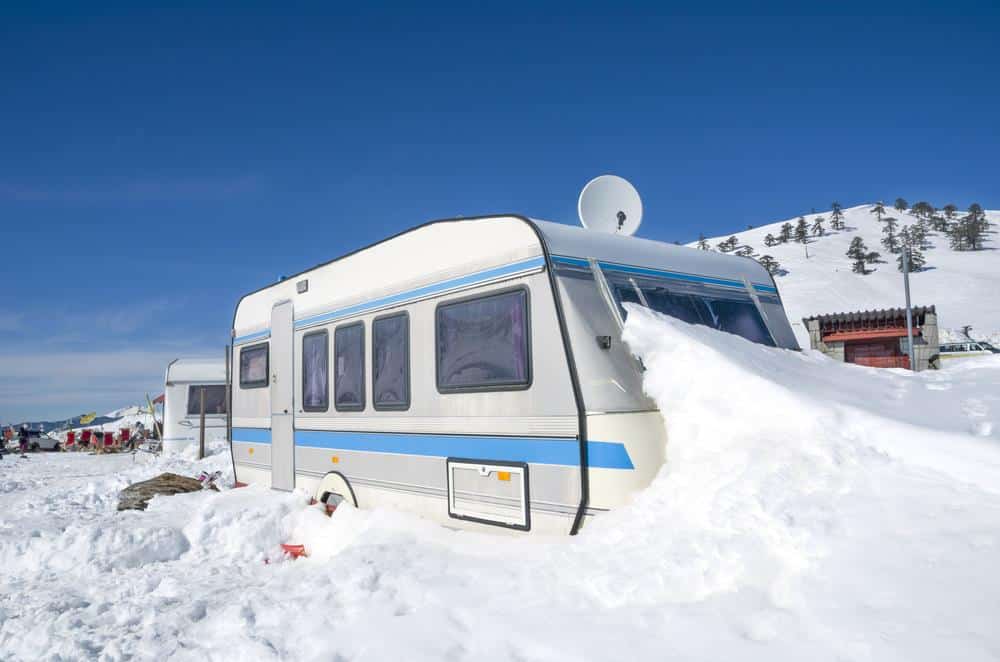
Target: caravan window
[(391, 362), (316, 371), (482, 343), (253, 366), (215, 399), (349, 367), (723, 308)]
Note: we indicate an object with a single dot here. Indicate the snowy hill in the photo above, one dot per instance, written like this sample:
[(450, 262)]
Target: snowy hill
[(963, 285)]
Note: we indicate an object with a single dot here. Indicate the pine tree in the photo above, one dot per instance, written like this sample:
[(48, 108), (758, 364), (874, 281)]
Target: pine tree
[(907, 244), (770, 264), (703, 243), (785, 235), (801, 230), (836, 216), (860, 256), (900, 205), (745, 251), (878, 210), (889, 240), (949, 211), (817, 227), (769, 240), (729, 245)]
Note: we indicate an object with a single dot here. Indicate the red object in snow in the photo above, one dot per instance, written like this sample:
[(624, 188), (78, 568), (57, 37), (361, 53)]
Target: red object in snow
[(295, 551), (70, 438), (109, 438), (125, 434), (85, 436)]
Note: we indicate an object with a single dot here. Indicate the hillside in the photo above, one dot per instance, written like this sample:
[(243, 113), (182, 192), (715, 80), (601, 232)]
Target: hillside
[(963, 285)]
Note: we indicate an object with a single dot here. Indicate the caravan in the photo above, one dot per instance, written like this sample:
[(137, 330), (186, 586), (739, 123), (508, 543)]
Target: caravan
[(185, 382), (471, 370)]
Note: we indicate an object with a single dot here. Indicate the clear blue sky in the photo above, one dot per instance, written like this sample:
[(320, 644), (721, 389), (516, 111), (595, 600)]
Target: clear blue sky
[(156, 164)]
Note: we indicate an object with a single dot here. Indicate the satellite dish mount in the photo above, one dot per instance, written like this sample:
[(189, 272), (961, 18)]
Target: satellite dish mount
[(610, 204)]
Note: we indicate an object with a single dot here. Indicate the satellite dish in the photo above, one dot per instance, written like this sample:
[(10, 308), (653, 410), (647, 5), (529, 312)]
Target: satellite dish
[(610, 204)]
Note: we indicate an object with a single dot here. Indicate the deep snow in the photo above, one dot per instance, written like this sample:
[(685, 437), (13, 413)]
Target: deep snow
[(808, 510), (963, 285)]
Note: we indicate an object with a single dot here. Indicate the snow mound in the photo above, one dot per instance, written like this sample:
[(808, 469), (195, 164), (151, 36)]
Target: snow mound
[(808, 510)]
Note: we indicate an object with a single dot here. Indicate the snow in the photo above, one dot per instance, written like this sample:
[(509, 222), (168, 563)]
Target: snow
[(808, 510), (963, 285)]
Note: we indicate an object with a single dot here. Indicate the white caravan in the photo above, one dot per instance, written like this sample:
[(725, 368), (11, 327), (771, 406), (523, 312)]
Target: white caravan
[(472, 370), (185, 381)]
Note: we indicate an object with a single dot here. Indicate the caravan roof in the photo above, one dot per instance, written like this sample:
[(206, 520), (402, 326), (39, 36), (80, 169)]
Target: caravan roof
[(196, 370)]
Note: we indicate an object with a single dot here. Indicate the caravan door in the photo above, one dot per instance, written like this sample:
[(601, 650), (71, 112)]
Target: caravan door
[(282, 397)]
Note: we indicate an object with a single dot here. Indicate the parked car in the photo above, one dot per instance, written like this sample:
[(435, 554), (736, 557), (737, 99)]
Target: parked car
[(961, 350)]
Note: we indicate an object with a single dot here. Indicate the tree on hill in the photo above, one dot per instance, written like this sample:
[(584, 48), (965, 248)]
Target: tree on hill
[(703, 243), (901, 205), (918, 233), (969, 232), (923, 209), (817, 227), (770, 264), (949, 211), (836, 216), (889, 239), (744, 251), (729, 245), (878, 210), (801, 230), (907, 244), (785, 234), (860, 256), (769, 240)]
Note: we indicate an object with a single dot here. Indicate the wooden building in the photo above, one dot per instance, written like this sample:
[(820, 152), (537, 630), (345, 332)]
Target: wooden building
[(877, 338)]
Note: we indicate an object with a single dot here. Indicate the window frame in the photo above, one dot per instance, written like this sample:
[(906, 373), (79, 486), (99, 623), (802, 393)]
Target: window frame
[(364, 385), (192, 388), (404, 406), (314, 408), (267, 366), (528, 354)]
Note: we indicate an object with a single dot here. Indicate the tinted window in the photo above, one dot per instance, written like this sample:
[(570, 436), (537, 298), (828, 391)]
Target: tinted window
[(349, 367), (726, 309), (215, 399), (316, 371), (391, 362), (253, 366), (483, 343)]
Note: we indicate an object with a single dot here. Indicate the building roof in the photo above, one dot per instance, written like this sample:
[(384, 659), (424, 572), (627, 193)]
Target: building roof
[(885, 315)]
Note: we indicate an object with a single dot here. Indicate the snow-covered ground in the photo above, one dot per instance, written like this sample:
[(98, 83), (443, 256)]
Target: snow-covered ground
[(963, 285), (808, 510)]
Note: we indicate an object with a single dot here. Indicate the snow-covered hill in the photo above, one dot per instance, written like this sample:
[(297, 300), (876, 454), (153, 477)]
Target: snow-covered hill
[(964, 285)]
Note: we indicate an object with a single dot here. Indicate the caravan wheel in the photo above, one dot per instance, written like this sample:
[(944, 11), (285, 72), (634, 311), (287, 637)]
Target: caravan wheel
[(334, 490)]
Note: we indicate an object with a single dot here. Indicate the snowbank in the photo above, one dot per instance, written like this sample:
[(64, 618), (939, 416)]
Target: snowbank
[(808, 509)]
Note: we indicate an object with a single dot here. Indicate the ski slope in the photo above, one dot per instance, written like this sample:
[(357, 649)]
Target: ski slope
[(963, 286), (808, 510)]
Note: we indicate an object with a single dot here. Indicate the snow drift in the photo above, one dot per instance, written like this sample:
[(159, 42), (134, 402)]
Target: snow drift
[(807, 509)]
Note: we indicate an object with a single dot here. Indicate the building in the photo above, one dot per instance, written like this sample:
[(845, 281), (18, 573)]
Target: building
[(877, 337)]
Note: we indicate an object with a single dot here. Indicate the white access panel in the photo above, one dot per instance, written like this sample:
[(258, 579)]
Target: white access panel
[(489, 492), (282, 398)]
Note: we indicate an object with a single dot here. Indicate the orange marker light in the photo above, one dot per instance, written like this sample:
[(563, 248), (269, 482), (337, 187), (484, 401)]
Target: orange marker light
[(250, 451), (503, 475), (334, 459)]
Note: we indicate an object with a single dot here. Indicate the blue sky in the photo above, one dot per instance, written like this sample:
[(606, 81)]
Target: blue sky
[(155, 164)]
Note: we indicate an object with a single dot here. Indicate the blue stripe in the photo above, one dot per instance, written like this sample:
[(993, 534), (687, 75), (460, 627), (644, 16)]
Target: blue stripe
[(427, 290), (661, 273), (252, 336), (252, 435), (564, 451)]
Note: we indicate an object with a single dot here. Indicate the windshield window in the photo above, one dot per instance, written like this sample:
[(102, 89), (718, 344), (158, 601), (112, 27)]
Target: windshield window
[(726, 309)]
